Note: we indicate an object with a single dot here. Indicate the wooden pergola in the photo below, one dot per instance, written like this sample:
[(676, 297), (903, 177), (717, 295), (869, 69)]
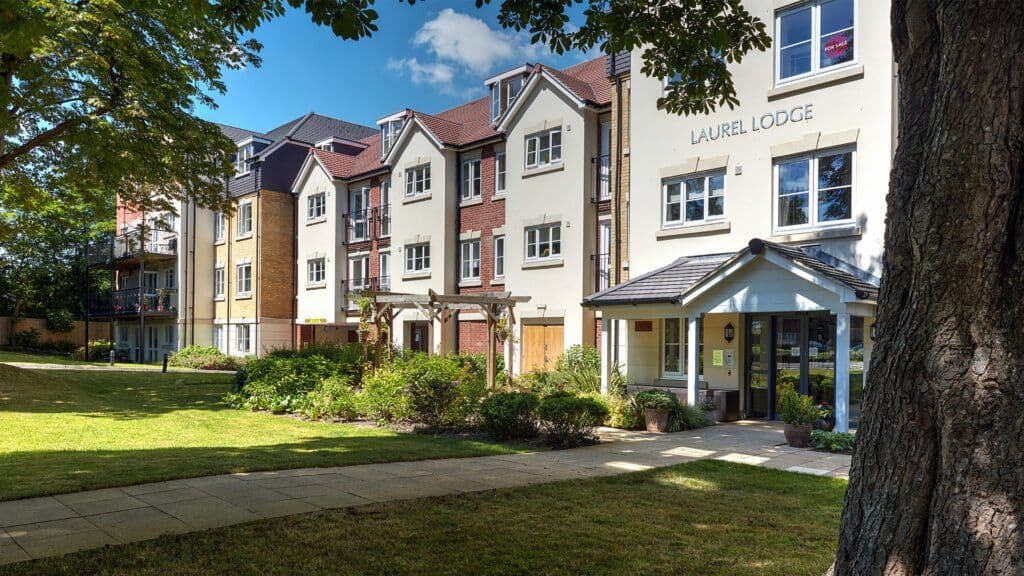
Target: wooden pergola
[(440, 308)]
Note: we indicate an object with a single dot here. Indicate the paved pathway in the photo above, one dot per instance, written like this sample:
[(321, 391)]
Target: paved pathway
[(151, 368), (48, 526)]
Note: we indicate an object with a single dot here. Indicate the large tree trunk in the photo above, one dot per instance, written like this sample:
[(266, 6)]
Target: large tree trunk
[(937, 483)]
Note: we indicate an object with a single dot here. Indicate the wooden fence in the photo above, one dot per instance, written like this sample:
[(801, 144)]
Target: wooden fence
[(97, 330)]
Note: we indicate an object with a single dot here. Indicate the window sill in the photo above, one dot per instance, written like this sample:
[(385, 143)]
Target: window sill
[(529, 172), (499, 281), (244, 296), (218, 298), (220, 242), (416, 275), (316, 286), (499, 196), (821, 80), (547, 263), (319, 220), (475, 283), (243, 236), (471, 201), (416, 198), (694, 230), (817, 234)]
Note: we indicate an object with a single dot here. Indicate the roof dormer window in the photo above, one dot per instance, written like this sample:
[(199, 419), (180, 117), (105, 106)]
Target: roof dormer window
[(505, 87), (390, 128), (244, 159)]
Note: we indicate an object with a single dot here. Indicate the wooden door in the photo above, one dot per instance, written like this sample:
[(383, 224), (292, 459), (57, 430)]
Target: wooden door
[(542, 346)]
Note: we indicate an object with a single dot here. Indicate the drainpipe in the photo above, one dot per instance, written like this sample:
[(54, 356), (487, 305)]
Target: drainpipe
[(257, 292), (192, 276), (458, 235), (618, 205), (295, 266)]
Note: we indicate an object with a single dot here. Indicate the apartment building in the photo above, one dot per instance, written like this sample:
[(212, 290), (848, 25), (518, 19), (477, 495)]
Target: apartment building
[(755, 233), (507, 193)]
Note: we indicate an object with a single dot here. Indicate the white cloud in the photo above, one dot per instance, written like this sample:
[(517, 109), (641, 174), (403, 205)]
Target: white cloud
[(435, 73), (470, 43)]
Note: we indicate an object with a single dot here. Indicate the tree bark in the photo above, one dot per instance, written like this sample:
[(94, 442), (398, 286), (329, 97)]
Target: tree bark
[(937, 482)]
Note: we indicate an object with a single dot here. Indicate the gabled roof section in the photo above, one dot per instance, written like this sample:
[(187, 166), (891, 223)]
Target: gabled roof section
[(342, 166), (672, 283), (584, 83), (312, 128), (238, 134)]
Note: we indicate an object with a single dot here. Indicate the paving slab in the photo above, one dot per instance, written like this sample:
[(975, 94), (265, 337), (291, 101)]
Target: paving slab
[(336, 499), (9, 549), (139, 524), (32, 510), (207, 512), (57, 537), (284, 508), (176, 495)]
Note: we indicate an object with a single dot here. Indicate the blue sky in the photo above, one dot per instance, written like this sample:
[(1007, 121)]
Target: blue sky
[(430, 57)]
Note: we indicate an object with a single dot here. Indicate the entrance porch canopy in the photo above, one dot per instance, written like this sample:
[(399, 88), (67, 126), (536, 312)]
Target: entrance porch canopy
[(764, 277)]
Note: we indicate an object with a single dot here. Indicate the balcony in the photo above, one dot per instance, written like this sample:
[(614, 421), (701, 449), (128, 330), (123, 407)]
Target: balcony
[(604, 178), (161, 302), (133, 246), (602, 271), (354, 289), (369, 224)]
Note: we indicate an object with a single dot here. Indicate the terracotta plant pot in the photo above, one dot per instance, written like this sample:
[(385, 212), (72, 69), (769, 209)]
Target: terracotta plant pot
[(657, 420), (797, 435)]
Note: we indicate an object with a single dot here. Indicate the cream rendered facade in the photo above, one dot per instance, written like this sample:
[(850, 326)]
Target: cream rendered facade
[(818, 137), (321, 302)]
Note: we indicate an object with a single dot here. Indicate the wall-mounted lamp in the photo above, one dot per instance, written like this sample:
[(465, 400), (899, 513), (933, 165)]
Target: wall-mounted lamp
[(730, 332)]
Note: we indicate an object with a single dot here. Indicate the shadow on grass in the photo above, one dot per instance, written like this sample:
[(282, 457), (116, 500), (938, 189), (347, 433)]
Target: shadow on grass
[(39, 473)]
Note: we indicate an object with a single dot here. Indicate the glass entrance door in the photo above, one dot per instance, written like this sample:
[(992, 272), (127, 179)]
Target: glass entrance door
[(758, 340)]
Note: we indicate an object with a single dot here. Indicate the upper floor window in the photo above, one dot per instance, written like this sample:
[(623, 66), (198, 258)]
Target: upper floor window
[(244, 217), (316, 271), (499, 172), (544, 241), (417, 180), (385, 209), (814, 37), (219, 226), (471, 260), (814, 190), (694, 200), (316, 207), (389, 131), (505, 90), (471, 179), (218, 282), (544, 148), (244, 158), (417, 258), (499, 256), (243, 273)]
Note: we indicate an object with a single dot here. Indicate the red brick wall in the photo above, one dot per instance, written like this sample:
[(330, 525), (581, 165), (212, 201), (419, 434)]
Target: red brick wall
[(126, 214), (473, 338), (597, 333)]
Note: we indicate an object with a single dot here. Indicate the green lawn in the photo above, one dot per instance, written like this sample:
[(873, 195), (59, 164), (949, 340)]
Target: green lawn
[(8, 356), (63, 431), (705, 518)]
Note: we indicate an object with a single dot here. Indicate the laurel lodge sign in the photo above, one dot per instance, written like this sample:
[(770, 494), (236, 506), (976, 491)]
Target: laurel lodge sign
[(763, 122)]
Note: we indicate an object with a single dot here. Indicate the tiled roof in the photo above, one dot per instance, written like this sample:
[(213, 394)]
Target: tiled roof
[(236, 134), (665, 284), (313, 128), (346, 166), (670, 283)]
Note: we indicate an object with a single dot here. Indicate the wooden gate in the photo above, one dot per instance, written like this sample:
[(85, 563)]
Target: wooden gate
[(542, 346)]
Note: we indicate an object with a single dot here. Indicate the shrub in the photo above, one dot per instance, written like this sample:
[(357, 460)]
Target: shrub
[(277, 383), (27, 339), (60, 321), (432, 400), (682, 416), (510, 415), (581, 369), (657, 400), (624, 413), (202, 358), (348, 356), (686, 417), (332, 398), (543, 383), (795, 408), (570, 420), (832, 441), (99, 351), (384, 397)]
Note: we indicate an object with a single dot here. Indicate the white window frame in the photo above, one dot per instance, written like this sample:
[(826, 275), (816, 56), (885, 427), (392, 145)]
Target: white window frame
[(417, 258), (510, 95), (815, 40), (360, 262), (532, 238), (243, 338), (470, 260), (389, 132), (316, 271), (683, 343), (535, 141), (239, 292), (244, 216), (242, 157), (218, 283), (472, 182), (316, 207), (417, 177), (495, 101), (385, 209), (219, 341), (499, 256), (705, 178), (500, 173), (812, 193), (220, 226), (384, 270)]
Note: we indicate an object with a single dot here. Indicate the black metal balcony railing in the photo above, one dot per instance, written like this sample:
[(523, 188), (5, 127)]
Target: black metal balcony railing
[(134, 244), (130, 302), (354, 288), (602, 271), (372, 223), (604, 178)]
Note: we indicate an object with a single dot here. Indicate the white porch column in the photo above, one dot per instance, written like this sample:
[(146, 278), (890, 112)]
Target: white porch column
[(691, 360), (606, 354), (843, 371)]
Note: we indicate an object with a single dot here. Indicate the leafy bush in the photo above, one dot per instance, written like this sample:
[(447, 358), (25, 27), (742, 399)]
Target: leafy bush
[(682, 416), (28, 339), (349, 356), (60, 321), (332, 398), (657, 400), (686, 417), (795, 408), (432, 400), (202, 358), (624, 413), (543, 383), (569, 420), (510, 415), (277, 383), (99, 351), (581, 369), (832, 441), (384, 397)]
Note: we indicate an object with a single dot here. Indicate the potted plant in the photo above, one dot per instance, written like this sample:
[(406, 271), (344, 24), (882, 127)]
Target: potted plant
[(797, 412), (707, 408), (826, 418), (657, 406)]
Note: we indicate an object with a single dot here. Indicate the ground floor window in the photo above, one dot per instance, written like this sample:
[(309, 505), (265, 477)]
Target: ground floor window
[(243, 335), (218, 338)]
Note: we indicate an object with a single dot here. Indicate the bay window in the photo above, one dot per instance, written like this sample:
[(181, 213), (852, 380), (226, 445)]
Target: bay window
[(814, 37), (814, 190)]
